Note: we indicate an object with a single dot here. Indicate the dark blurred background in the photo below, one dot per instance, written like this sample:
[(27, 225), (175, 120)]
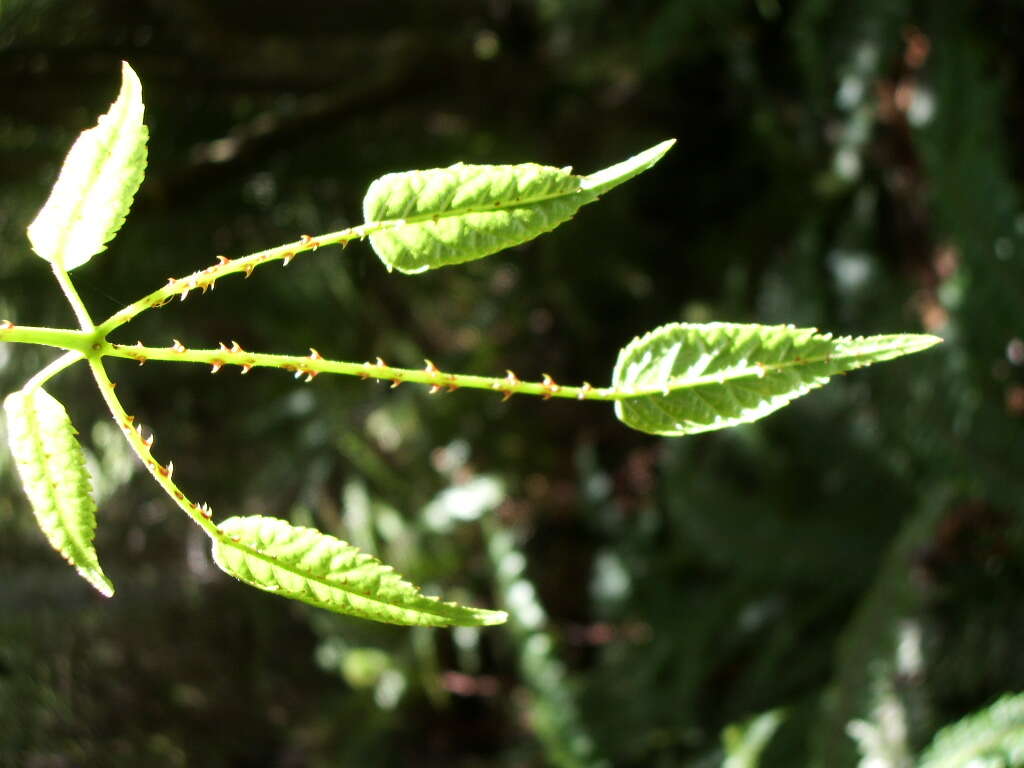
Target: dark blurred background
[(856, 557)]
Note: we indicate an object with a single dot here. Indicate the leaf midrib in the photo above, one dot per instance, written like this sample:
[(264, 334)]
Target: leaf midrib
[(756, 371), (450, 213)]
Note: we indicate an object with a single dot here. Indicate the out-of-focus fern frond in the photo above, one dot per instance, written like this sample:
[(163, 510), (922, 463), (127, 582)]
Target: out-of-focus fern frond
[(553, 713), (868, 644)]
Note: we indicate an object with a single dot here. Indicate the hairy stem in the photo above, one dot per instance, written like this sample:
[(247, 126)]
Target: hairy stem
[(201, 515), (74, 299), (205, 279), (64, 361)]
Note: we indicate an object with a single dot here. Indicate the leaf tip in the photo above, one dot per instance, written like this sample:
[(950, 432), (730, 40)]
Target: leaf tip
[(607, 179), (129, 74), (662, 149), (100, 582), (492, 618)]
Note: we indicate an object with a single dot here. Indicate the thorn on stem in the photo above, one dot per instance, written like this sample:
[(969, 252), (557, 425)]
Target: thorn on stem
[(177, 346), (6, 325), (309, 242), (246, 368), (314, 355), (248, 270), (216, 365), (287, 259), (222, 260), (236, 347), (550, 386), (395, 383), (584, 391)]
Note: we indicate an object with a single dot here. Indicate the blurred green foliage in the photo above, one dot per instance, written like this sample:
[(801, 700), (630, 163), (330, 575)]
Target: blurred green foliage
[(857, 557)]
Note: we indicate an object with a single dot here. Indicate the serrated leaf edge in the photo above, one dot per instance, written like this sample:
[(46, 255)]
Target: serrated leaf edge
[(488, 617), (590, 187), (131, 91), (448, 213), (93, 574)]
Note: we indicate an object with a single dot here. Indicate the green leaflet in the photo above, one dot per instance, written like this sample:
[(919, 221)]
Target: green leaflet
[(992, 737), (304, 564), (744, 742), (99, 178), (52, 468), (686, 378), (464, 212)]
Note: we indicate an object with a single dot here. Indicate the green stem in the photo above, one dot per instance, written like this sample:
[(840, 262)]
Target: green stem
[(163, 475), (74, 299), (206, 279), (62, 338), (309, 366), (64, 361)]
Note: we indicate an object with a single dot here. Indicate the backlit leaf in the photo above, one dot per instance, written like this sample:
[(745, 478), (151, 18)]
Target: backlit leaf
[(51, 464), (991, 738), (305, 564), (464, 212), (686, 378), (97, 183)]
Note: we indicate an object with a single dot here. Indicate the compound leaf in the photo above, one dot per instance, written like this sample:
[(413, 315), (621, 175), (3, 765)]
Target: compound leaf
[(993, 736), (307, 565), (99, 179), (685, 378), (52, 468), (444, 216)]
